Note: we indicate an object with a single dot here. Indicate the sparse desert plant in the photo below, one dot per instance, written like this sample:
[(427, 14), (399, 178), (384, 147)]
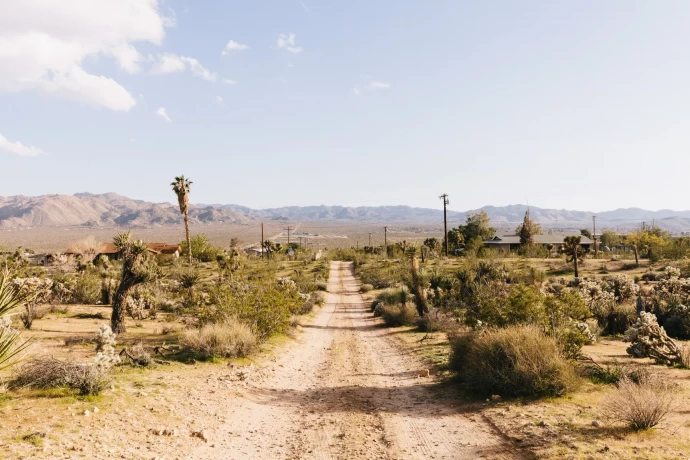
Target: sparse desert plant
[(513, 361), (398, 315), (88, 378), (366, 288), (10, 339), (227, 339), (640, 405), (435, 320), (87, 289), (649, 340), (105, 338)]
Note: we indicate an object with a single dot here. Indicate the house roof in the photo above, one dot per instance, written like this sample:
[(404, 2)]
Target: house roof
[(538, 239), (155, 248)]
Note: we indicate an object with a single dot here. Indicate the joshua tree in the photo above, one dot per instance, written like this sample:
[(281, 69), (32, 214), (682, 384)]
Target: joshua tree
[(136, 269), (417, 284), (11, 297), (181, 187), (573, 251)]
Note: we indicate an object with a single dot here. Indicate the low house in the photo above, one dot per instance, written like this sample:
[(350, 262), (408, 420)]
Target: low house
[(110, 251), (255, 251), (507, 243)]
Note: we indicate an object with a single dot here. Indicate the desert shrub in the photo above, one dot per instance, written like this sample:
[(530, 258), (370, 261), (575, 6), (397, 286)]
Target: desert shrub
[(315, 298), (137, 355), (393, 296), (30, 313), (640, 405), (435, 321), (88, 378), (227, 339), (202, 249), (398, 315), (366, 288), (87, 289), (619, 319), (513, 361)]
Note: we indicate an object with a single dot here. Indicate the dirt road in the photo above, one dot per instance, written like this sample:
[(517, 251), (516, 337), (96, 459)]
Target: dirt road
[(349, 391), (346, 390)]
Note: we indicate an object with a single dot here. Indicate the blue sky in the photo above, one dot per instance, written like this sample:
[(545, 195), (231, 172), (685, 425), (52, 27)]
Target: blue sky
[(578, 105)]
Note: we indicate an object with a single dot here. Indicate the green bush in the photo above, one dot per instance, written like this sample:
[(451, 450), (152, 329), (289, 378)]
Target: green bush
[(398, 315), (228, 339), (366, 288), (87, 289), (265, 304), (514, 361)]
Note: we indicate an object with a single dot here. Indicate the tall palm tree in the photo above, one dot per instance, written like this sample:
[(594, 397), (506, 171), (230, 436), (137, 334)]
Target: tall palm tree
[(181, 187)]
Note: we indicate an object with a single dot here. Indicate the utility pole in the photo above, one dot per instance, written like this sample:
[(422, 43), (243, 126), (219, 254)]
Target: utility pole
[(358, 245), (288, 230), (370, 239), (385, 241), (262, 240), (594, 234), (444, 197)]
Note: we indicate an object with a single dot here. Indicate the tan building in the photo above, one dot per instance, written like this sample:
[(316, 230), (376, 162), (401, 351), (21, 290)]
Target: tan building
[(507, 243)]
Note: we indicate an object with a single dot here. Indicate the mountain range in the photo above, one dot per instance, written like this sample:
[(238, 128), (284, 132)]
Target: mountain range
[(113, 210)]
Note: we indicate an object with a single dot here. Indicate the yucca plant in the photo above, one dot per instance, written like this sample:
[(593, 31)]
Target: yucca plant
[(11, 297)]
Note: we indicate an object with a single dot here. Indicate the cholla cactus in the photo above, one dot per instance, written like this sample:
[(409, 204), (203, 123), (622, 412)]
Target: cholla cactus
[(671, 272), (583, 328), (287, 283), (105, 338), (105, 346), (649, 340)]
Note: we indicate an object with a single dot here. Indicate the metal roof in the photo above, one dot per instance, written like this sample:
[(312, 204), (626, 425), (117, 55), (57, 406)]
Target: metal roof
[(538, 239)]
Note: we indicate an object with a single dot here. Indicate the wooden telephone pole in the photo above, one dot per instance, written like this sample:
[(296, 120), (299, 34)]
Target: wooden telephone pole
[(288, 230), (263, 246), (444, 197), (385, 241)]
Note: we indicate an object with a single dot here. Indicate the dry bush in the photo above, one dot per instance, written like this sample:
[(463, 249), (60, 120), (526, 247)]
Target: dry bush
[(45, 373), (366, 288), (513, 361), (138, 355), (398, 315), (435, 321), (227, 339), (640, 404)]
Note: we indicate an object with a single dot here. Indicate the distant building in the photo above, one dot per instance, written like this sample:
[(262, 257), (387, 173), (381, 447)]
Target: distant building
[(110, 251), (507, 243)]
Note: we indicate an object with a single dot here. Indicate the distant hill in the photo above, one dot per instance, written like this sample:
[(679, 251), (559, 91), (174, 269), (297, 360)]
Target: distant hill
[(113, 210)]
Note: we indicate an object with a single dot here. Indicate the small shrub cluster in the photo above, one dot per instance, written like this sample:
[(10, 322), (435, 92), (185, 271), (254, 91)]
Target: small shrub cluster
[(398, 315), (45, 373), (512, 361), (228, 339)]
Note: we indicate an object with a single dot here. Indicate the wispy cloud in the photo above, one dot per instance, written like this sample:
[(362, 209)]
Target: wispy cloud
[(355, 91), (379, 85), (169, 63), (233, 46), (227, 81), (17, 148), (163, 114), (219, 99), (287, 42), (305, 7)]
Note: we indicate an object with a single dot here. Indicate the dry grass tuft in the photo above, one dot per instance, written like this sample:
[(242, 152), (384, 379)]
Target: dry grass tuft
[(228, 339), (398, 315), (47, 373), (641, 404)]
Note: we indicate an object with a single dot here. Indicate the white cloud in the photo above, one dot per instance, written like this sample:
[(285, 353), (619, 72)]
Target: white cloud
[(169, 63), (287, 42), (227, 81), (355, 91), (163, 114), (379, 85), (17, 148), (44, 43), (233, 46)]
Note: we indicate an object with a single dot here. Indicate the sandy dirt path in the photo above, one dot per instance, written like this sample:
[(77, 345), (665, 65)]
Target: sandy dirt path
[(346, 390), (349, 391)]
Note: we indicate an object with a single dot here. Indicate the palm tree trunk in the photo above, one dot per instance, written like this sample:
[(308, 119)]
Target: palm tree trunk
[(189, 243), (575, 261)]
